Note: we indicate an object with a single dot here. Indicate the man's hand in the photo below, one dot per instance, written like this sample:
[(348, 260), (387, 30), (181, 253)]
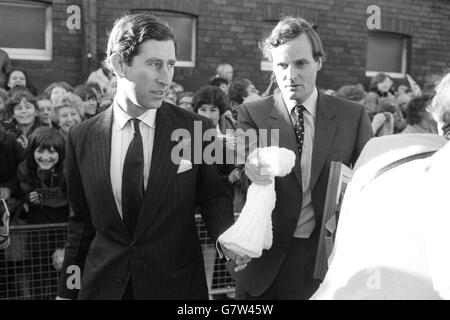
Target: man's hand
[(241, 262), (234, 176)]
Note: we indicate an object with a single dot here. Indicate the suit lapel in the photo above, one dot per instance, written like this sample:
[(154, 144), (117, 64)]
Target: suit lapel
[(281, 120), (162, 168), (100, 162), (324, 133)]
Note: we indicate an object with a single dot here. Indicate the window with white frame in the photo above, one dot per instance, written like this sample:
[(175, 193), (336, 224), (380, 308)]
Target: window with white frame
[(26, 30), (184, 27), (388, 53)]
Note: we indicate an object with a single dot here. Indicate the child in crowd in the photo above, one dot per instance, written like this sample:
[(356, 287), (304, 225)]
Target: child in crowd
[(41, 178), (89, 98), (23, 109), (45, 111)]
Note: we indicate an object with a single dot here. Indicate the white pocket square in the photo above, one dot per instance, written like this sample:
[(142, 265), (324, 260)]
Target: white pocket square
[(185, 165)]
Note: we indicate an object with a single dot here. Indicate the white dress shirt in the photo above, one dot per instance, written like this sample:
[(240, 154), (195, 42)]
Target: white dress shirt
[(122, 134), (307, 221)]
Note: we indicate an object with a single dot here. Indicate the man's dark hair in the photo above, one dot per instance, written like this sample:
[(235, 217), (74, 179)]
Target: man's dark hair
[(130, 31), (290, 28)]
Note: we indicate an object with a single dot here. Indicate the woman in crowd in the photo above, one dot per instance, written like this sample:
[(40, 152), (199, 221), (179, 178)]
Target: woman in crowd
[(41, 177), (18, 77), (90, 103), (382, 84), (67, 113), (242, 90), (23, 109), (221, 83), (418, 118)]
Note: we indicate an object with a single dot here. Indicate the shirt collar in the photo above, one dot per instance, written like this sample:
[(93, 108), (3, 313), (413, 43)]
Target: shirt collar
[(310, 103), (121, 117)]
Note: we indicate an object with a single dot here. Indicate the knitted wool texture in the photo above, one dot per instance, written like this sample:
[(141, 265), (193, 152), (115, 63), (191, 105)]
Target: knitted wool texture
[(252, 232)]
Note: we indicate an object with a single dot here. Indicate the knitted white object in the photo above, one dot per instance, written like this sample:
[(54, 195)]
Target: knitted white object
[(252, 232)]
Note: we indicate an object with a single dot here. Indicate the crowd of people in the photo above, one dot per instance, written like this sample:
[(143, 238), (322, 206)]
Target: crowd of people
[(34, 128)]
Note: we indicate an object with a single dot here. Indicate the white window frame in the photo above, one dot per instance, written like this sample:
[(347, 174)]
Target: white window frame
[(395, 75), (190, 63), (34, 54)]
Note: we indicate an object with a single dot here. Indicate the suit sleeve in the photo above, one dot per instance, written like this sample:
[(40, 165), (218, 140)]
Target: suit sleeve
[(215, 203), (80, 230), (365, 133)]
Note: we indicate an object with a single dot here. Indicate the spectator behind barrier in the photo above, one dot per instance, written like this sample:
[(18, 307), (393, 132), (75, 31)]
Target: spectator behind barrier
[(41, 177)]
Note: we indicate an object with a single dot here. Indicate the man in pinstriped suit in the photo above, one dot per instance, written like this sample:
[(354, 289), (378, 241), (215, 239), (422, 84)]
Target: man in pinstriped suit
[(134, 237)]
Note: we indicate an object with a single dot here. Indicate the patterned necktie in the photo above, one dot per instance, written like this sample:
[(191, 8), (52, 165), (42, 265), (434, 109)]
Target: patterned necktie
[(299, 127), (132, 179)]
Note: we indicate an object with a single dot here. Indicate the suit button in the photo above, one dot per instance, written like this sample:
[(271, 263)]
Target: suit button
[(133, 248), (293, 220), (120, 279)]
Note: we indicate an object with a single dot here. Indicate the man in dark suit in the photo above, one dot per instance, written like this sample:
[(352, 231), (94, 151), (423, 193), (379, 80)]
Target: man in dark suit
[(319, 129), (133, 230)]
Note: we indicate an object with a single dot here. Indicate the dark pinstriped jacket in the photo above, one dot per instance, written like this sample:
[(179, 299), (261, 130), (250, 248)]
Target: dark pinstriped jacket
[(163, 257)]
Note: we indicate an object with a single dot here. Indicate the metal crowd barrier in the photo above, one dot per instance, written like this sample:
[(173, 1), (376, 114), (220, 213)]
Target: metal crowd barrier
[(28, 270)]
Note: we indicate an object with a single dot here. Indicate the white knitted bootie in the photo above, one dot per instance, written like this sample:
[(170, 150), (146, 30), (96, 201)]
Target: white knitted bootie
[(252, 232)]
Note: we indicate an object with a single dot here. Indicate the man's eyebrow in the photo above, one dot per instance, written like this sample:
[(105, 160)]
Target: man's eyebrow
[(160, 60)]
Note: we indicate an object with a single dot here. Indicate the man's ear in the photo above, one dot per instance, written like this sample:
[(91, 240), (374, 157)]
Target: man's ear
[(118, 65), (319, 63)]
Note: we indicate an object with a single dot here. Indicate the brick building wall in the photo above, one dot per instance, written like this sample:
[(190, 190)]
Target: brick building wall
[(228, 31)]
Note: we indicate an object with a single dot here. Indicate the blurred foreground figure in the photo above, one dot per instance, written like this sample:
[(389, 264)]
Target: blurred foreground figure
[(392, 241)]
